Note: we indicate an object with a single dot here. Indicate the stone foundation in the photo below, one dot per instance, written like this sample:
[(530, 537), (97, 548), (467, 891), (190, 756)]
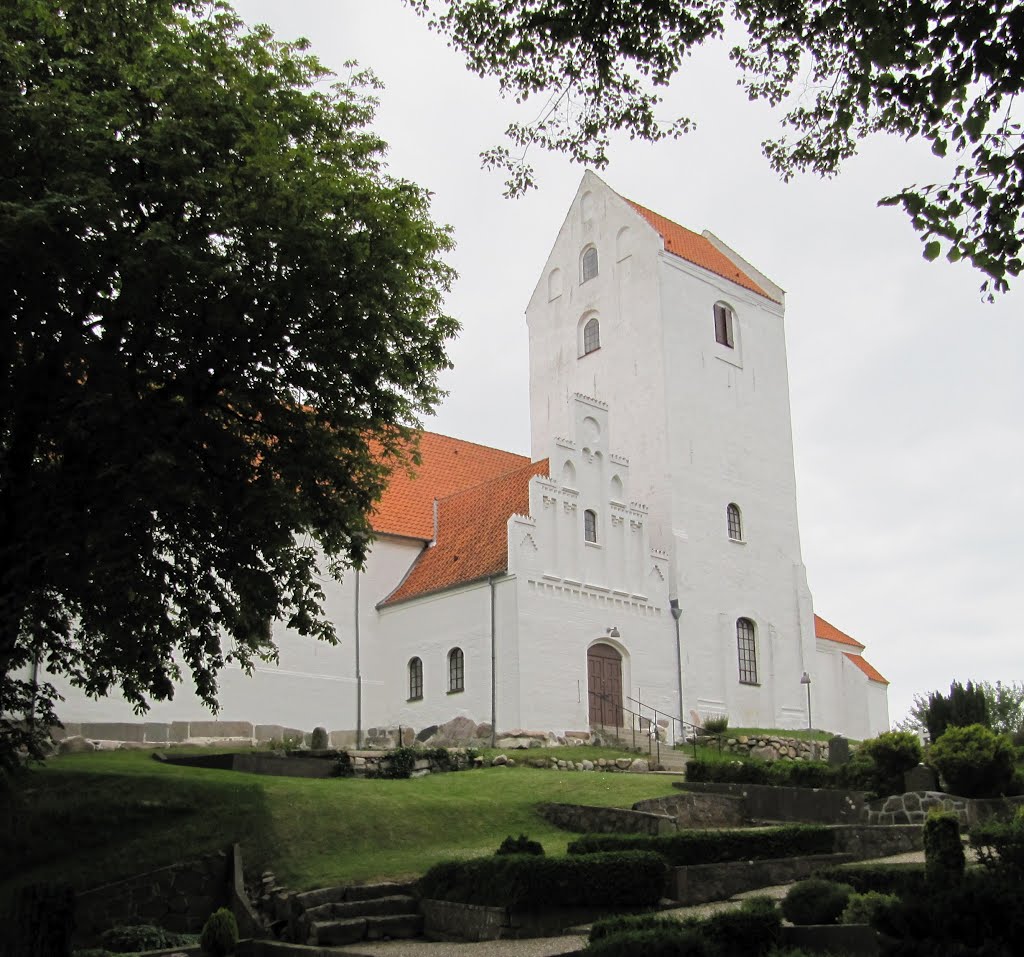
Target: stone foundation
[(772, 748)]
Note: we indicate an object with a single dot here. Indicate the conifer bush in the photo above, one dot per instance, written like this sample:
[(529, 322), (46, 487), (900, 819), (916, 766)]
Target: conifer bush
[(220, 934), (943, 850), (816, 901), (974, 762)]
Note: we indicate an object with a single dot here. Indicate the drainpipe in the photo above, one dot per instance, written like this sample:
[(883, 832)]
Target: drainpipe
[(676, 614), (494, 667), (359, 674)]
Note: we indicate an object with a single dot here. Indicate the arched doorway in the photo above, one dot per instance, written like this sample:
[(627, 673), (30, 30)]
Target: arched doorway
[(604, 685)]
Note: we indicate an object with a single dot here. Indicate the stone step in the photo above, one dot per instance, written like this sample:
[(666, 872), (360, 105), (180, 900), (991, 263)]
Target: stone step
[(338, 933), (351, 892), (344, 910)]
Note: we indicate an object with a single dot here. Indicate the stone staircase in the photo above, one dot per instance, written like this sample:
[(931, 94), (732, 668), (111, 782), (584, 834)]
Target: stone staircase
[(335, 916)]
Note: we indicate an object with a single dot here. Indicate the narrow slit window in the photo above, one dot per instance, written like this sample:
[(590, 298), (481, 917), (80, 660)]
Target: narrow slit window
[(591, 336), (735, 523), (723, 324), (590, 526)]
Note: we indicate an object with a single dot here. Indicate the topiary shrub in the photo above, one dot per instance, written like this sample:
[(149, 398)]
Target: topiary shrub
[(903, 880), (520, 845), (220, 934), (865, 908), (891, 754), (816, 901), (943, 850), (751, 929), (727, 771), (626, 923), (973, 761)]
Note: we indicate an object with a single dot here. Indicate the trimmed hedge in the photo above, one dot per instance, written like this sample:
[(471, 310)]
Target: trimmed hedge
[(523, 881), (904, 880), (974, 761), (943, 851), (716, 847), (1000, 844), (752, 929)]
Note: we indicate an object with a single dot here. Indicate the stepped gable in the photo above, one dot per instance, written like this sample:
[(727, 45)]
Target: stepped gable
[(446, 466), (472, 534), (697, 249)]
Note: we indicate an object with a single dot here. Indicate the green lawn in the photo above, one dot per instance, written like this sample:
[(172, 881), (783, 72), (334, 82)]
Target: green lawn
[(92, 818)]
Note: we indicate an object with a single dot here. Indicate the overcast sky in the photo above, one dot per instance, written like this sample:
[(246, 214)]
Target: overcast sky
[(907, 389)]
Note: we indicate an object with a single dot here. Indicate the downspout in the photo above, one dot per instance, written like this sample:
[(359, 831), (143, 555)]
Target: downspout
[(494, 667), (676, 615), (359, 675)]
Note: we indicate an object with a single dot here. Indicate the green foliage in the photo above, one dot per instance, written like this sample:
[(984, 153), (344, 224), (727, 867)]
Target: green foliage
[(858, 775), (973, 761), (678, 941), (131, 938), (220, 318), (944, 73), (401, 762), (220, 934), (902, 880), (943, 851), (520, 845), (727, 771), (716, 846), (41, 922), (1000, 845), (525, 882), (816, 901), (892, 754), (867, 908), (1005, 704), (751, 929), (716, 724), (960, 708), (983, 915)]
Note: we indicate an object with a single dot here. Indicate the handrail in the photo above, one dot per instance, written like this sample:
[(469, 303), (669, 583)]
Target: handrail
[(652, 740), (695, 728)]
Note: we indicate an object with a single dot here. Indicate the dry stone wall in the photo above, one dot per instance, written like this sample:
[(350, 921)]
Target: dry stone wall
[(773, 747)]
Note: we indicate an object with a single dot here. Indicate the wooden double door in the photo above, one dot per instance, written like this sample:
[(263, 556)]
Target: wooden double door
[(604, 685)]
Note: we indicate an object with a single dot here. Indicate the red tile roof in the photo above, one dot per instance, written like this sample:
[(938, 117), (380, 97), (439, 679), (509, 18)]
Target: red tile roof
[(696, 249), (829, 632), (446, 466), (472, 534), (869, 669)]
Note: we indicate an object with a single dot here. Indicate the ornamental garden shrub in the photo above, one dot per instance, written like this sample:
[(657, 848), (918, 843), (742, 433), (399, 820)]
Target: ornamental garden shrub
[(220, 934), (1000, 845), (943, 849), (865, 908), (899, 879), (132, 938), (974, 762), (678, 941), (520, 845), (816, 901), (717, 846), (753, 928), (626, 923), (727, 771), (892, 753), (717, 724), (622, 879)]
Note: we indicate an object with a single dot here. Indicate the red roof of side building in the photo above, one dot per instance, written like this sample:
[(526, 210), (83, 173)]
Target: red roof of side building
[(829, 632), (697, 249), (472, 534), (446, 466), (869, 669)]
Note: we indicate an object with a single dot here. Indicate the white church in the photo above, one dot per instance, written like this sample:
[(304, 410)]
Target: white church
[(645, 560)]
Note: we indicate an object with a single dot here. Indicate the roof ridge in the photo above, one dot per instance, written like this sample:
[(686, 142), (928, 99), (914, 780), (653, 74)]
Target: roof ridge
[(479, 445)]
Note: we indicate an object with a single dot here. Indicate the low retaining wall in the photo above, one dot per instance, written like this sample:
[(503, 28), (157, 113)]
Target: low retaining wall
[(178, 898), (606, 820), (446, 920), (913, 808), (700, 883), (765, 802), (695, 810), (867, 840), (774, 747)]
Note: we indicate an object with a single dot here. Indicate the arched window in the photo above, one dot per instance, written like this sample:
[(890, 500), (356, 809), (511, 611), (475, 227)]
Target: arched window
[(415, 679), (724, 317), (590, 526), (591, 336), (588, 264), (735, 522), (747, 651), (456, 670)]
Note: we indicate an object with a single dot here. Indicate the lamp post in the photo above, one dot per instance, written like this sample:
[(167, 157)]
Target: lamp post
[(805, 679)]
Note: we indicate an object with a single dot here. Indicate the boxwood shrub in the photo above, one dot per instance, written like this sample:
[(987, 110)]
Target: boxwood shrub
[(816, 901), (716, 847), (625, 878), (678, 941), (974, 761)]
